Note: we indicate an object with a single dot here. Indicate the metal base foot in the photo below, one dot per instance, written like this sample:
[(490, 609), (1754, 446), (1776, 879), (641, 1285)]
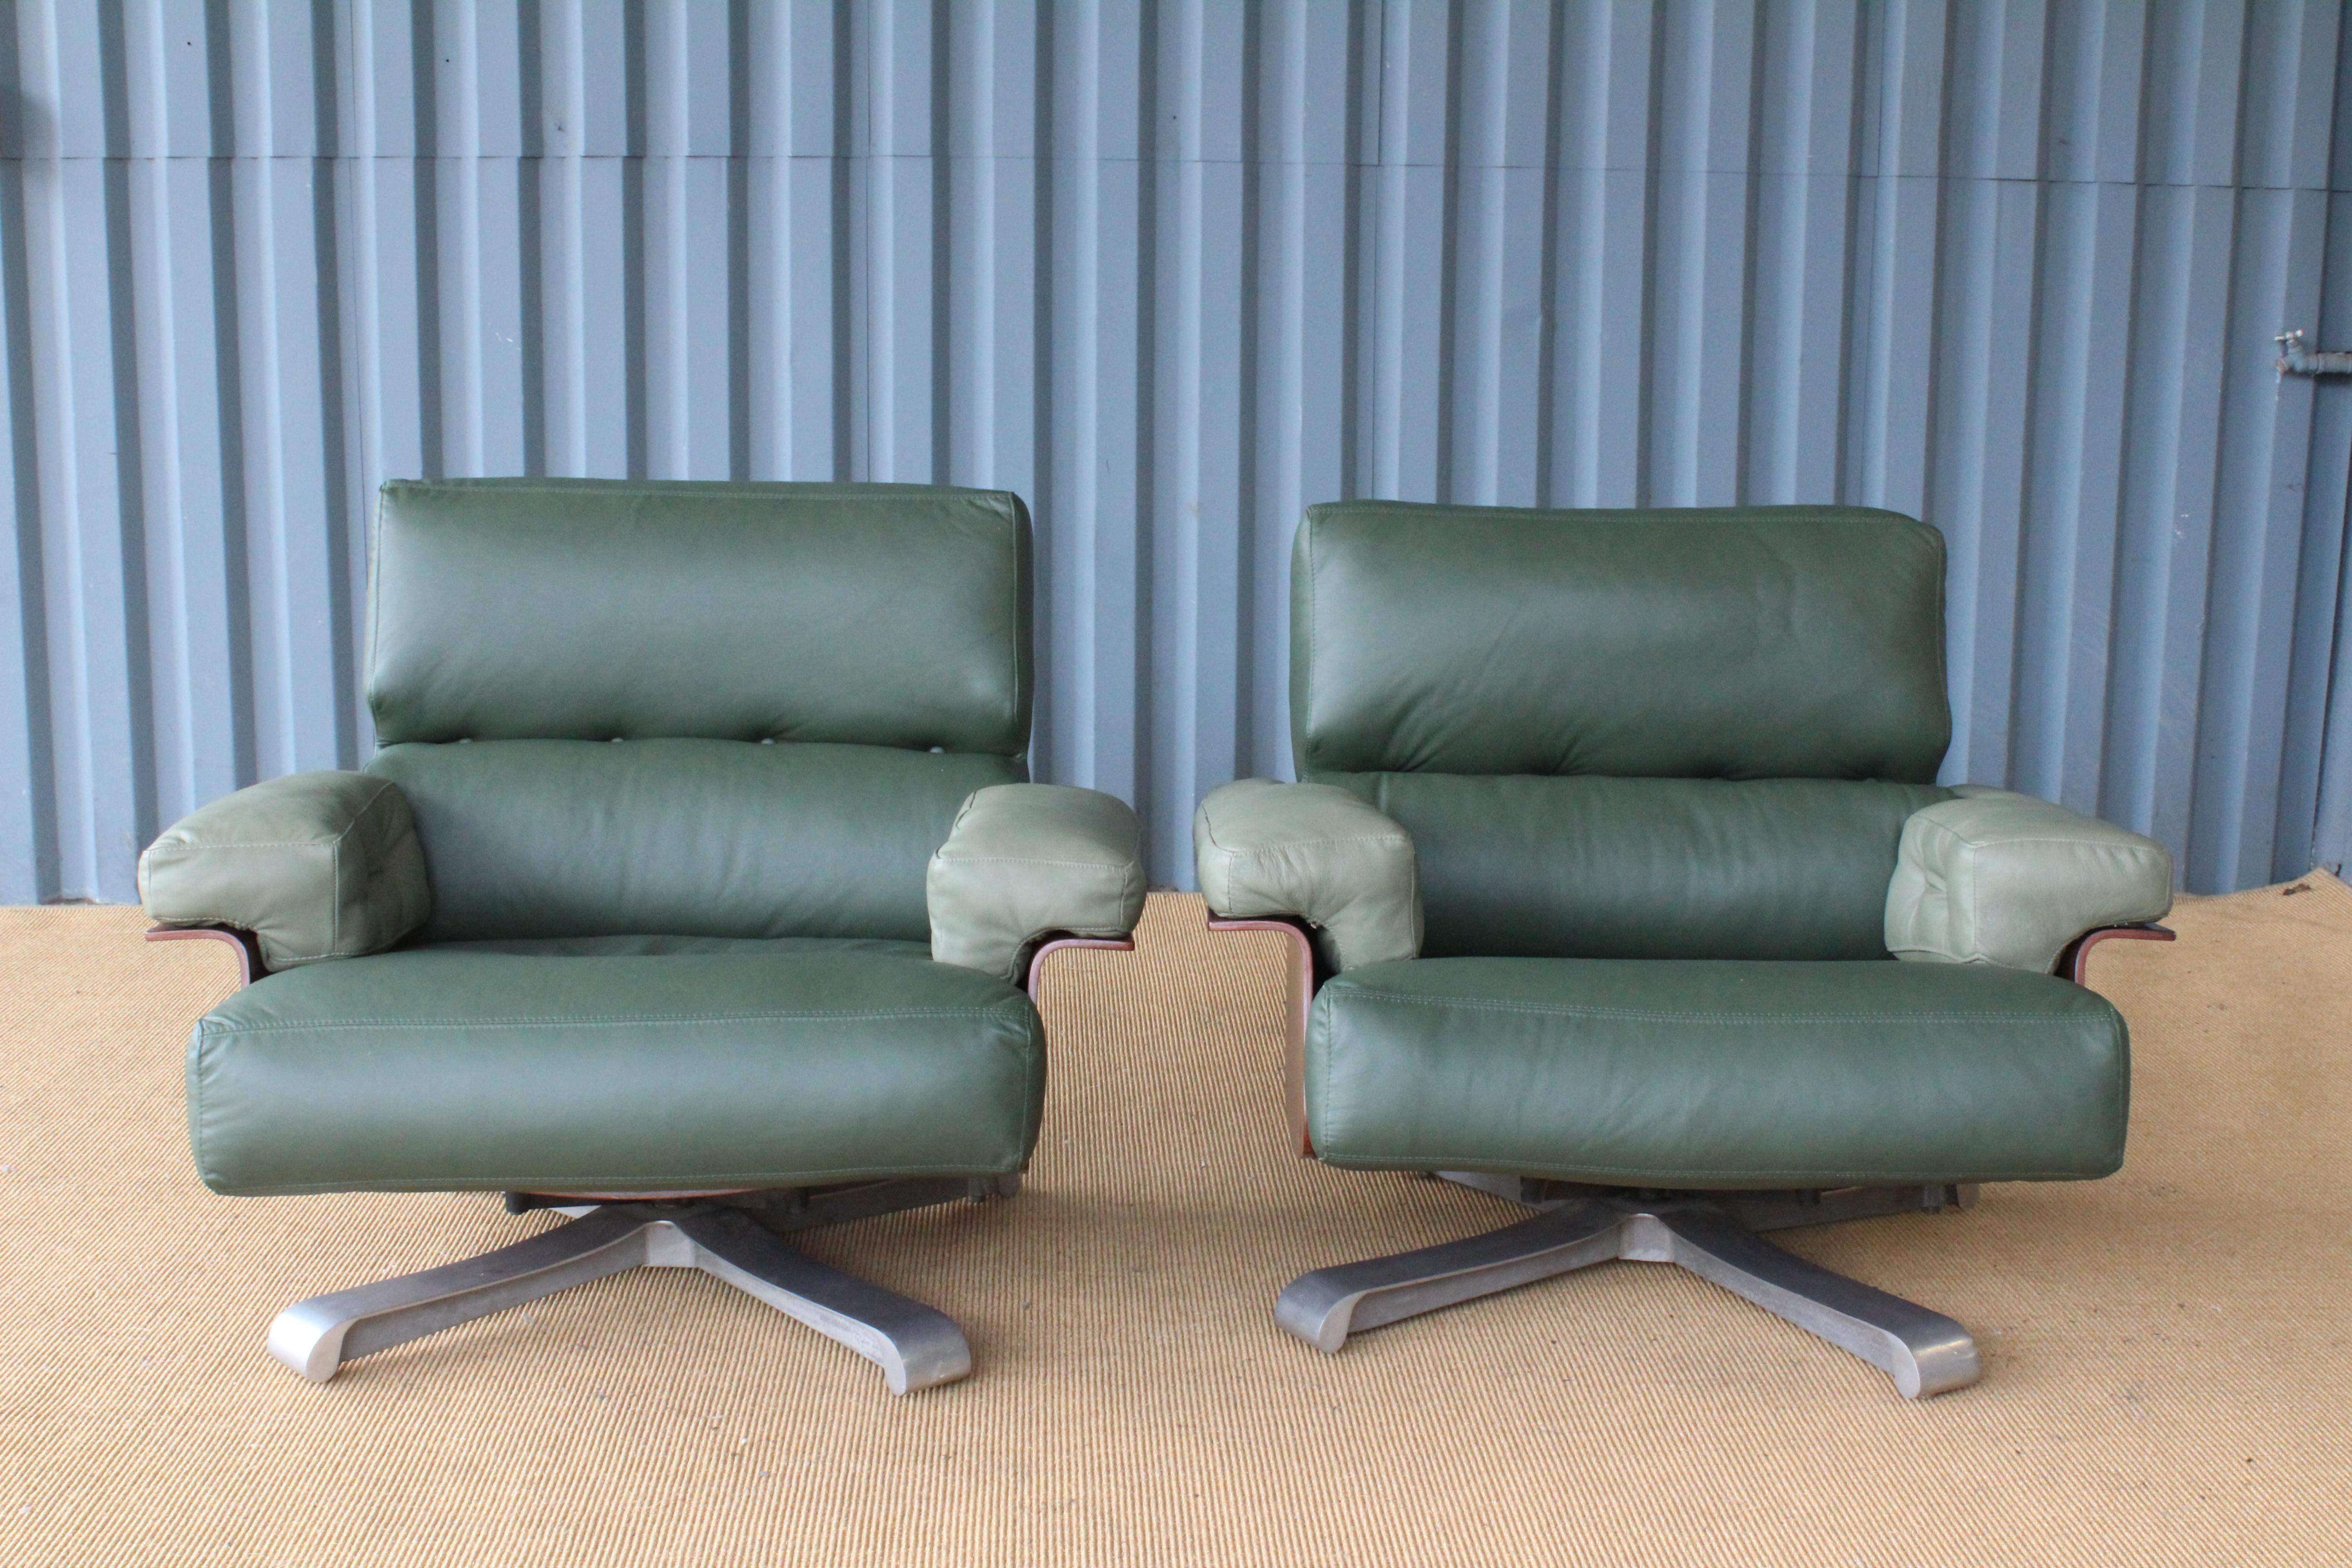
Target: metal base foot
[(734, 1236), (1712, 1235)]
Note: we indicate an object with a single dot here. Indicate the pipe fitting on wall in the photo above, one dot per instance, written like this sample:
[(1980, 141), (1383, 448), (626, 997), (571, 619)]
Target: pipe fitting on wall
[(2296, 360)]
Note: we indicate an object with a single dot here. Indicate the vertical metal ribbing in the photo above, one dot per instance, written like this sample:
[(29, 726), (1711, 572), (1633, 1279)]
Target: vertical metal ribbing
[(1176, 270)]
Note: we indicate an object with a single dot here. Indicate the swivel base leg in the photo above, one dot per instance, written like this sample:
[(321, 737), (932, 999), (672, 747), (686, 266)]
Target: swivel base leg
[(1924, 1352), (735, 1238)]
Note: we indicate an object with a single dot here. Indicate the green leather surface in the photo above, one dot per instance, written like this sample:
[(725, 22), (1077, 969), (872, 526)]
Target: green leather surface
[(2000, 877), (584, 609), (1695, 1074), (1309, 849), (1606, 867), (546, 839), (639, 945), (1024, 860), (317, 866), (1763, 642), (443, 1070)]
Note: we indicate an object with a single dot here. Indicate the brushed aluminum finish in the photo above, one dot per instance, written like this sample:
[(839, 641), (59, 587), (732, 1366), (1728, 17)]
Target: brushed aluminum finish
[(1924, 1352), (916, 1346)]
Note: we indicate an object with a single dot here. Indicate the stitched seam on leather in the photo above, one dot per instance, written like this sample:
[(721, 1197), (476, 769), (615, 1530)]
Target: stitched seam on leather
[(1976, 913), (961, 811), (1208, 829), (335, 851), (1234, 855), (1012, 686), (191, 845), (203, 921), (196, 1101), (334, 848), (1984, 840), (1108, 930), (1378, 838), (1949, 855), (633, 1020), (1571, 1010), (1306, 720), (1011, 969), (1943, 655), (375, 600), (2125, 846), (1423, 1160), (768, 1176), (2119, 1037), (1412, 885), (1330, 1050), (2075, 839), (1120, 866)]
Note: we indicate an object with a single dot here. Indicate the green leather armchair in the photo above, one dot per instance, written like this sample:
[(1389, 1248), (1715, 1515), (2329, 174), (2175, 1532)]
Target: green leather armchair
[(690, 892), (1620, 886)]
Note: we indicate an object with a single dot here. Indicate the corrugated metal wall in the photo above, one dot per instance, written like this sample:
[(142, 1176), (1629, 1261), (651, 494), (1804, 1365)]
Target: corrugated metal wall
[(1172, 272)]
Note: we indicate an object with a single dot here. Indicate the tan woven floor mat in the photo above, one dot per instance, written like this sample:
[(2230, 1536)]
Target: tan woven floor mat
[(2166, 1373)]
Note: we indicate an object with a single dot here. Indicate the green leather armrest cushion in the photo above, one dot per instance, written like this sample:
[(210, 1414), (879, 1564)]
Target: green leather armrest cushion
[(1317, 852), (317, 866), (1023, 860), (2003, 879)]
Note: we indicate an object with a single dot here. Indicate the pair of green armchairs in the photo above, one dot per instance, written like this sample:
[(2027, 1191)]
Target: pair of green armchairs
[(696, 889)]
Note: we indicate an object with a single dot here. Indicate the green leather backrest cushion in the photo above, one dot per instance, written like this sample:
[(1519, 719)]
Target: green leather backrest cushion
[(1606, 867), (685, 837), (1748, 643), (583, 609)]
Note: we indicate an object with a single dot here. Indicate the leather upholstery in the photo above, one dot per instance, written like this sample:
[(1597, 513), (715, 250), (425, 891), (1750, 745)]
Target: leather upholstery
[(526, 839), (317, 866), (1710, 1074), (1310, 850), (445, 1070), (638, 945), (1027, 860), (1751, 643), (1608, 867), (584, 609), (1655, 772), (675, 757), (1998, 878)]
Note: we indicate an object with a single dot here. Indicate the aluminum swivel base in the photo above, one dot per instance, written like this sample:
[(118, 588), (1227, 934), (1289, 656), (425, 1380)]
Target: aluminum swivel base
[(733, 1235), (1710, 1234)]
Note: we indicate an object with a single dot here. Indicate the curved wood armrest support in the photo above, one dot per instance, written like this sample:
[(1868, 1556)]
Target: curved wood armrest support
[(1299, 988), (2074, 959), (1048, 949), (250, 967)]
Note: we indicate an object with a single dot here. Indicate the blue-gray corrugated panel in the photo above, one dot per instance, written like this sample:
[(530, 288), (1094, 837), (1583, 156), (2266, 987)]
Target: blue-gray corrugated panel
[(1173, 272)]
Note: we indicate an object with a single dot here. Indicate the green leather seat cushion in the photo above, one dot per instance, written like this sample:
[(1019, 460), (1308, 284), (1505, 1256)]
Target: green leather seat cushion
[(1702, 1074), (755, 1065)]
